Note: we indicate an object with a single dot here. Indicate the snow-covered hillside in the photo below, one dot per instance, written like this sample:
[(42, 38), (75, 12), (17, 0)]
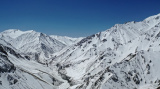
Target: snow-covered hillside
[(20, 72), (126, 56), (122, 57)]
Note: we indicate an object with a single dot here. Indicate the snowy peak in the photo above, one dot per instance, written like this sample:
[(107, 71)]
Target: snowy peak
[(19, 39), (14, 33), (33, 43), (154, 17)]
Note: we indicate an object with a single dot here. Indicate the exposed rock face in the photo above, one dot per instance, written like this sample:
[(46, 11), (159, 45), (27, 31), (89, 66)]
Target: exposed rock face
[(5, 64)]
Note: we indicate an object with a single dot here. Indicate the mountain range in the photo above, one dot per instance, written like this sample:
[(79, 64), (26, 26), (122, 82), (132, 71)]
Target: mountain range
[(126, 56)]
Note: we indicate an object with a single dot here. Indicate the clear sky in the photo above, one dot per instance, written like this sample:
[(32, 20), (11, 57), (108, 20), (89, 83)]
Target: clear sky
[(73, 18)]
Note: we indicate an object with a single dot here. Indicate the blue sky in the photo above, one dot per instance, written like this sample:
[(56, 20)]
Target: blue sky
[(73, 18)]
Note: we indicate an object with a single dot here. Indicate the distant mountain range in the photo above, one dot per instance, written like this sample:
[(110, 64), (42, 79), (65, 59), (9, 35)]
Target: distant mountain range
[(126, 56)]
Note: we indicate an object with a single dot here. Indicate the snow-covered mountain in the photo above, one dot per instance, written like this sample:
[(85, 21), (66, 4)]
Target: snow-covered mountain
[(38, 45), (122, 57), (126, 56)]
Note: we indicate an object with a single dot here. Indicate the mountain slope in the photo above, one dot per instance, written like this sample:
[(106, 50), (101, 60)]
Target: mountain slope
[(18, 71), (99, 61)]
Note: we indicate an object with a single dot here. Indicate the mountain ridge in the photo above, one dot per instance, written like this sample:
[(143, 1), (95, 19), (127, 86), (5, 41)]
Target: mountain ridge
[(109, 48)]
